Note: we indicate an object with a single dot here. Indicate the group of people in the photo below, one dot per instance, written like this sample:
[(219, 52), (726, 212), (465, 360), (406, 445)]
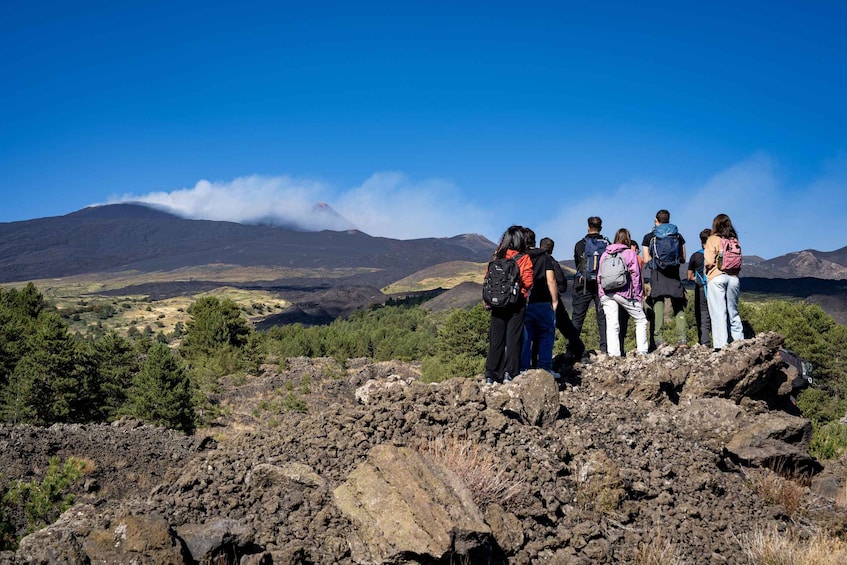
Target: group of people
[(622, 282)]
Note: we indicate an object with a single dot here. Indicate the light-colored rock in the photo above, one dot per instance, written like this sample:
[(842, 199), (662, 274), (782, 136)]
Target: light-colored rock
[(402, 502), (266, 474), (375, 386), (83, 535), (532, 397)]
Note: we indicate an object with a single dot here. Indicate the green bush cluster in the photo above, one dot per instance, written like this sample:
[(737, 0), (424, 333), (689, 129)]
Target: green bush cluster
[(48, 375), (29, 506)]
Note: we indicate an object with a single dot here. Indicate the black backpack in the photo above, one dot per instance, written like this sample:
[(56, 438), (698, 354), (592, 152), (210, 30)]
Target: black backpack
[(501, 286)]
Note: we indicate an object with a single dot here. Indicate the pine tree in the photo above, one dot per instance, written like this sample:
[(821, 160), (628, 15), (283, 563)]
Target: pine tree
[(117, 363), (214, 323), (161, 393), (52, 381)]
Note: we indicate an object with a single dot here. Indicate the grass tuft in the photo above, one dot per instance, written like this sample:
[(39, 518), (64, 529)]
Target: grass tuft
[(772, 547), (479, 469)]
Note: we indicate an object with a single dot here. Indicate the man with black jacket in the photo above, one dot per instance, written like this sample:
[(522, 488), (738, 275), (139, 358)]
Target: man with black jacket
[(563, 321), (585, 282)]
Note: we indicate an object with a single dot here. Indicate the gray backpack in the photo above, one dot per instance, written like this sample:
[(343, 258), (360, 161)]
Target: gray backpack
[(613, 274)]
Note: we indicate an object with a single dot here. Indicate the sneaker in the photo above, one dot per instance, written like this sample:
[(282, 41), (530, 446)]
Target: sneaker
[(489, 381), (507, 378), (556, 375)]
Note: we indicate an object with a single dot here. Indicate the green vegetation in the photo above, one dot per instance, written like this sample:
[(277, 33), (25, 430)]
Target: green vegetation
[(29, 506), (815, 336), (48, 374)]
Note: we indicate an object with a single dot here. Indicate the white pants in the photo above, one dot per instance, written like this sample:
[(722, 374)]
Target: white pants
[(723, 291), (611, 303)]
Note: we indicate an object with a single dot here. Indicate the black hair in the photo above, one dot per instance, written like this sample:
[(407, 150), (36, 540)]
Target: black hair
[(513, 238)]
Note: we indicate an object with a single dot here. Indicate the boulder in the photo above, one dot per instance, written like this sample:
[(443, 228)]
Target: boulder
[(775, 440), (742, 369), (403, 503), (532, 397), (376, 387), (85, 534), (208, 541)]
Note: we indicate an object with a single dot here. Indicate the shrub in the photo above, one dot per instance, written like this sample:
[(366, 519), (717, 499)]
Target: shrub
[(41, 502), (829, 441)]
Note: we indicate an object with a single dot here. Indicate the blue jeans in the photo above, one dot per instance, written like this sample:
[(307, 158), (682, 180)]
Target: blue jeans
[(540, 328), (723, 291)]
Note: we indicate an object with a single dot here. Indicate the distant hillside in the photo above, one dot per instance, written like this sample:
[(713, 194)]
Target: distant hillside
[(443, 275), (122, 237), (809, 263)]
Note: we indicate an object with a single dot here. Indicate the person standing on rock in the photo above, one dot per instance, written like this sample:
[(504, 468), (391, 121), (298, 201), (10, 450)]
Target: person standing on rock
[(722, 254), (563, 321), (627, 295), (663, 249), (586, 254), (540, 319), (506, 330), (697, 273)]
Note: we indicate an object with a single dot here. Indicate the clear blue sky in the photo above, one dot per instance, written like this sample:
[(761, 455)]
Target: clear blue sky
[(418, 119)]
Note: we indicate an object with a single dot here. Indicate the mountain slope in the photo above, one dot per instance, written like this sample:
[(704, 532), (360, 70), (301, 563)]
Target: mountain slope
[(135, 237)]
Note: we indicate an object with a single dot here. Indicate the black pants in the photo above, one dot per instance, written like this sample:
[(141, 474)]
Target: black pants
[(505, 341), (701, 315), (582, 298), (569, 331)]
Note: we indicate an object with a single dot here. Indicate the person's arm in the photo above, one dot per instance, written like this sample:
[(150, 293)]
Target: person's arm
[(645, 252), (553, 288), (683, 251)]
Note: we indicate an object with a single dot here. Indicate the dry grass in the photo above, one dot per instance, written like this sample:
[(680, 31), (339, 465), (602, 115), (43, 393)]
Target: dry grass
[(478, 468), (774, 488), (445, 275), (658, 551), (85, 465), (771, 547)]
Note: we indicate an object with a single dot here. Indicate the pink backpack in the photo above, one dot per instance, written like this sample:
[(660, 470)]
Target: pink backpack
[(729, 259)]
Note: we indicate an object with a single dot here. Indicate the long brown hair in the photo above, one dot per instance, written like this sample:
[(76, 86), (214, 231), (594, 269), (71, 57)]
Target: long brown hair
[(722, 226), (622, 236)]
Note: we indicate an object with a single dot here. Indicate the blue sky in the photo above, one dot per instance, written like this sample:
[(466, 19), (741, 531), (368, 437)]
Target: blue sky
[(416, 119)]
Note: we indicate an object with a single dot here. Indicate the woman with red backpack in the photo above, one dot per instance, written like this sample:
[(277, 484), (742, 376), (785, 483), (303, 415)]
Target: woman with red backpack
[(722, 255)]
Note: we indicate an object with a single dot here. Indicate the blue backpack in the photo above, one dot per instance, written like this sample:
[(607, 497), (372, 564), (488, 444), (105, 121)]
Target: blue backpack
[(665, 247), (700, 275), (590, 260)]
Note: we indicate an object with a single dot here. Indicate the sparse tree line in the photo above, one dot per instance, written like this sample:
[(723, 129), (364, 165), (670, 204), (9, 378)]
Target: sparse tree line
[(48, 374)]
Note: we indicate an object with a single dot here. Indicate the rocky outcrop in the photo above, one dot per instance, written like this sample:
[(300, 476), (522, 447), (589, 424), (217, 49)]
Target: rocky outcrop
[(403, 505), (586, 470)]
